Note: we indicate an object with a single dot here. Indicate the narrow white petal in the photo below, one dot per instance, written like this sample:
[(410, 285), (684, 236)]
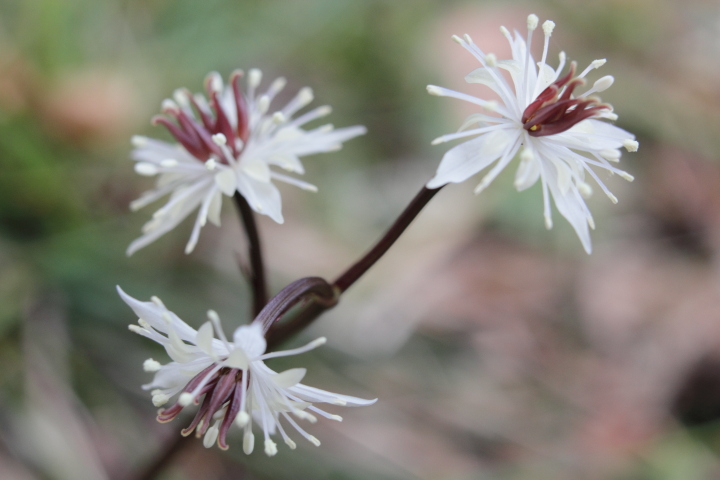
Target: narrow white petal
[(204, 338), (256, 169), (289, 378), (467, 159), (226, 181), (237, 359), (215, 208)]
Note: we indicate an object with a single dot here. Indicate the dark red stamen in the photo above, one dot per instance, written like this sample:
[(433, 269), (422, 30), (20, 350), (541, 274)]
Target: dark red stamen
[(243, 127), (224, 388), (204, 409), (222, 123), (553, 112), (190, 143), (217, 398), (204, 137), (167, 414), (196, 136), (232, 411)]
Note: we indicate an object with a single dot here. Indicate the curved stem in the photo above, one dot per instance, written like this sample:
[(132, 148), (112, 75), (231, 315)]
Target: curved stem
[(257, 268), (314, 287), (352, 274), (280, 332)]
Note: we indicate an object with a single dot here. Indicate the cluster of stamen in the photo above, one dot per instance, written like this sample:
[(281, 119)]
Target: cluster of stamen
[(223, 392), (555, 110), (200, 138)]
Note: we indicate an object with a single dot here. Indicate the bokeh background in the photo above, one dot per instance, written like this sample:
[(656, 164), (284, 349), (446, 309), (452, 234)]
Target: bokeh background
[(498, 350)]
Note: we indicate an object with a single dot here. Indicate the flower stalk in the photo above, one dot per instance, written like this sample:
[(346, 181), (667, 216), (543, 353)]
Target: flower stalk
[(257, 278), (280, 332)]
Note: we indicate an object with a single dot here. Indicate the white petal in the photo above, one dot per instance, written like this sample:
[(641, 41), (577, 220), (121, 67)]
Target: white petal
[(313, 394), (153, 314), (289, 378), (250, 339), (484, 77), (545, 78), (468, 158), (256, 169), (287, 161), (476, 118), (226, 181), (177, 350), (263, 197), (571, 206), (527, 174), (594, 134), (204, 338), (237, 359), (215, 208), (564, 176)]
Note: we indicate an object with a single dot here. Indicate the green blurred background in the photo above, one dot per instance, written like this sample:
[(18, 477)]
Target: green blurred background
[(498, 350)]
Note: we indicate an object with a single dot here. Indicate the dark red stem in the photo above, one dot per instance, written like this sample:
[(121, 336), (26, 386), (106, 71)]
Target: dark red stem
[(280, 332), (257, 267)]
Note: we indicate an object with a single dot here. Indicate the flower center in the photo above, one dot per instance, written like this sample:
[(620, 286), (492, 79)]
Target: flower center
[(197, 136), (555, 111)]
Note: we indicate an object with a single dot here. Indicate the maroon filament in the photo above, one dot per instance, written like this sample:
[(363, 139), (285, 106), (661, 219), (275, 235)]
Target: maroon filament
[(554, 111), (196, 135)]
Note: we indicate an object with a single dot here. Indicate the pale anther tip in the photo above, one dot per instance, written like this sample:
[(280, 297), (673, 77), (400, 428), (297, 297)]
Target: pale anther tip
[(278, 117), (603, 83), (254, 77), (151, 365), (433, 90), (185, 399), (168, 104), (219, 139), (457, 39), (532, 22), (270, 448), (306, 94), (631, 145), (548, 26)]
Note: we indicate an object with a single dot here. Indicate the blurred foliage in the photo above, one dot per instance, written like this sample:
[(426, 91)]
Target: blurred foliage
[(489, 373)]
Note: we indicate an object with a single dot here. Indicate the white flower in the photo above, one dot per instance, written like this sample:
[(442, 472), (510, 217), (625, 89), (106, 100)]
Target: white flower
[(237, 386), (227, 143), (560, 135)]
